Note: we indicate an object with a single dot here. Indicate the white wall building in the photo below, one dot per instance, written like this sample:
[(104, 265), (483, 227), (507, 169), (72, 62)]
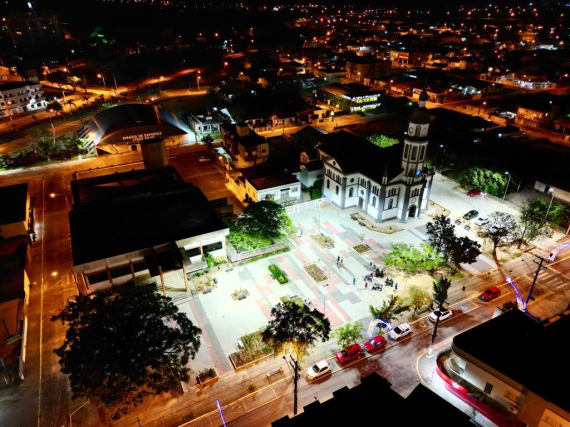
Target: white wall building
[(21, 97), (360, 174)]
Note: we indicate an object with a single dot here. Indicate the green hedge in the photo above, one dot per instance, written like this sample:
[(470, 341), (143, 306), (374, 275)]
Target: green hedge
[(278, 274)]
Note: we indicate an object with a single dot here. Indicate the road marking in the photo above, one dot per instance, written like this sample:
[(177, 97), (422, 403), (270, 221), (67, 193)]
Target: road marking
[(41, 303)]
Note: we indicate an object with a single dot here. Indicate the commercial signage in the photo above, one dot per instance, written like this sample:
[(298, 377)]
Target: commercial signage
[(141, 136), (13, 338)]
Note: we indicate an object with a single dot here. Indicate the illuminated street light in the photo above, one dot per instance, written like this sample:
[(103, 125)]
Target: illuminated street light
[(507, 187), (101, 76)]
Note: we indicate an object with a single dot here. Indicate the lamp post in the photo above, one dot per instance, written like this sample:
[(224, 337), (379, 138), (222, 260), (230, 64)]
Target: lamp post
[(485, 109), (481, 203), (325, 299), (102, 76), (436, 154), (198, 77), (295, 366), (159, 87), (507, 187), (551, 192)]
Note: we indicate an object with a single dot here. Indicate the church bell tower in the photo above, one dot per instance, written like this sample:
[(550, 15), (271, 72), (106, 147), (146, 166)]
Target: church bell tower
[(416, 140)]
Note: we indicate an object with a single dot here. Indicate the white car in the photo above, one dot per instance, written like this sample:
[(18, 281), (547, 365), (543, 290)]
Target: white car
[(319, 370), (446, 313), (482, 220), (400, 331)]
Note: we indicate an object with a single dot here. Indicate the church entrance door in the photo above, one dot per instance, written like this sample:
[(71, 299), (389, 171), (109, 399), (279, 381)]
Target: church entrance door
[(412, 211), (360, 202)]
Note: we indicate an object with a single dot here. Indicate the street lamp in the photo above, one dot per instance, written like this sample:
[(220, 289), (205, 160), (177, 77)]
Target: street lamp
[(437, 152), (507, 187), (102, 76), (325, 299), (551, 192), (159, 87), (481, 204), (280, 70), (485, 109)]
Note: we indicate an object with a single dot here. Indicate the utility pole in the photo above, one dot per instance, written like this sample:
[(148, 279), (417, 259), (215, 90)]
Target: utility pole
[(295, 367), (540, 266)]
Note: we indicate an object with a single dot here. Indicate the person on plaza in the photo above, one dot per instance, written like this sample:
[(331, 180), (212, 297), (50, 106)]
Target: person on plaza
[(341, 260), (365, 285), (354, 280)]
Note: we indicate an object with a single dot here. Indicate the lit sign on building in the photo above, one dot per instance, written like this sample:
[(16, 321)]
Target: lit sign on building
[(141, 136)]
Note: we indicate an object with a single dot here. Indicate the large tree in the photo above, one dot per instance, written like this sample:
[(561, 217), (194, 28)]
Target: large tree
[(295, 328), (389, 310), (123, 346), (411, 259), (500, 230), (485, 180), (440, 289), (418, 298), (347, 334), (47, 148), (265, 219), (531, 225), (440, 232), (462, 250), (40, 132)]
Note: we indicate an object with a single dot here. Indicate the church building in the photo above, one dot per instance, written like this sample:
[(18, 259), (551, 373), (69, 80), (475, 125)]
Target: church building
[(384, 183)]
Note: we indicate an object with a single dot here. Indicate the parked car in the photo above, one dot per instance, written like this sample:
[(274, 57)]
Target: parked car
[(446, 313), (204, 159), (349, 354), (490, 294), (474, 192), (482, 220), (319, 370), (470, 215), (400, 331), (375, 344)]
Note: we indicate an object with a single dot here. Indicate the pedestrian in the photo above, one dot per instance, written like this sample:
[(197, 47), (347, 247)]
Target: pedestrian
[(395, 286), (338, 259), (354, 280), (365, 285), (341, 260), (463, 288)]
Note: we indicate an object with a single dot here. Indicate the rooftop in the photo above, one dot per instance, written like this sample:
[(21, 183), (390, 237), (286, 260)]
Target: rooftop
[(14, 198), (16, 85), (524, 351), (272, 181), (109, 226), (12, 265), (349, 89)]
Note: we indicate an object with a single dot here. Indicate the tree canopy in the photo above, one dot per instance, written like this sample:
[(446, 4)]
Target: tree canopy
[(485, 180), (500, 230), (531, 225), (47, 148), (418, 298), (411, 259), (265, 219), (440, 232), (348, 334), (389, 310), (463, 250), (295, 328), (122, 346)]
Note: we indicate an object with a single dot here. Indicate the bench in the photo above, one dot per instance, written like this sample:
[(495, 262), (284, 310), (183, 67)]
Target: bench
[(207, 291), (240, 344), (273, 373), (361, 224), (229, 269), (241, 297), (215, 280)]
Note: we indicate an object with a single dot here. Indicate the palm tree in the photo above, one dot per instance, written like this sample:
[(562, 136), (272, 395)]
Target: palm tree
[(70, 103), (440, 288), (86, 99)]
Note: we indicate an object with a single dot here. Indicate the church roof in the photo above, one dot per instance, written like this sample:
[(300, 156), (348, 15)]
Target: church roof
[(354, 154)]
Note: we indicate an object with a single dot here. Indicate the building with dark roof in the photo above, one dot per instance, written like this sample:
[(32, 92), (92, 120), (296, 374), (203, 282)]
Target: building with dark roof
[(142, 225), (120, 129), (384, 183), (15, 264), (372, 393), (515, 366), (246, 147), (16, 215)]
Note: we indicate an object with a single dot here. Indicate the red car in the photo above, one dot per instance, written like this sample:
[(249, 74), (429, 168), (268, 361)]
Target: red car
[(490, 294), (351, 353), (375, 344), (474, 192)]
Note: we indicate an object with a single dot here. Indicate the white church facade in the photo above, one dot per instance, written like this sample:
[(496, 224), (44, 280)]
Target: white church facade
[(384, 183)]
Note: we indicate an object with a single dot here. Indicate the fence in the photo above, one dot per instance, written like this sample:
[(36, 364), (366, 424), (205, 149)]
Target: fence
[(317, 203), (235, 256)]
